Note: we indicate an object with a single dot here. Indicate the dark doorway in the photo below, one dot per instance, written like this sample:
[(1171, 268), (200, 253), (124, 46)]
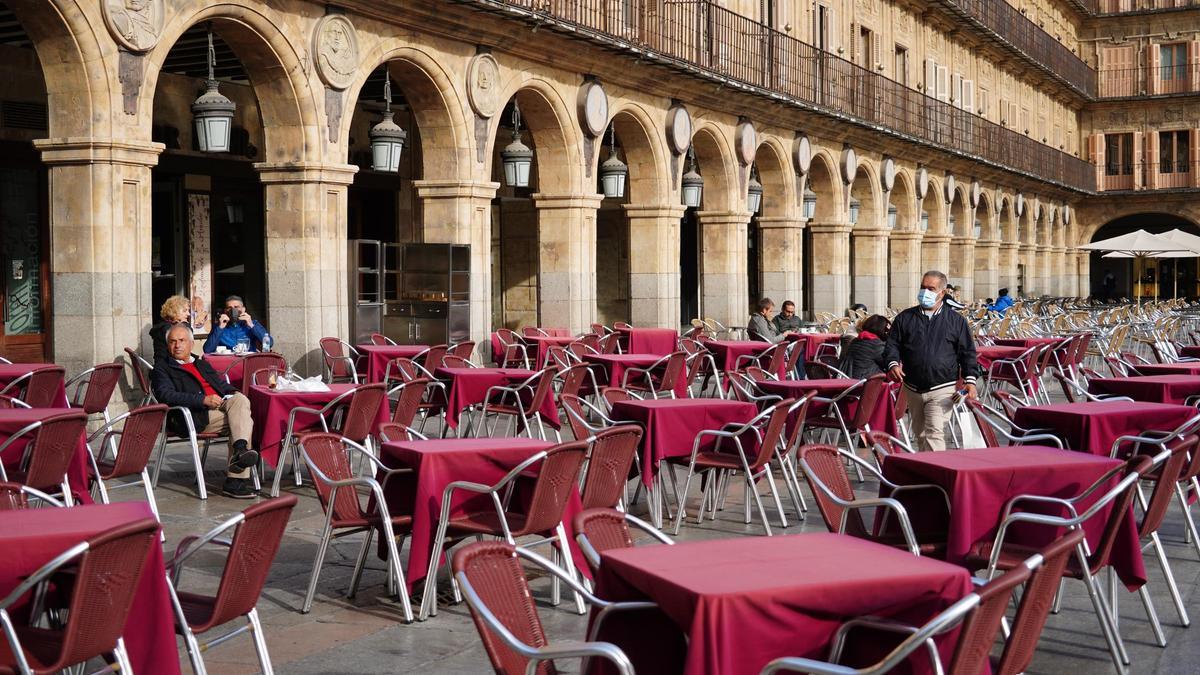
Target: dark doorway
[(1133, 278), (689, 267)]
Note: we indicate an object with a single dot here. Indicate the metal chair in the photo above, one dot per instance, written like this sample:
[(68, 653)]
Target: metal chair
[(252, 549), (433, 402), (883, 444), (611, 454), (340, 360), (328, 457), (985, 418), (135, 440), (38, 388), (254, 362), (1020, 372), (432, 357), (463, 350), (456, 361), (514, 352), (497, 593), (657, 379), (106, 570), (603, 529), (11, 402), (193, 438), (381, 340), (356, 410), (141, 372), (48, 454), (92, 389), (15, 496), (522, 402)]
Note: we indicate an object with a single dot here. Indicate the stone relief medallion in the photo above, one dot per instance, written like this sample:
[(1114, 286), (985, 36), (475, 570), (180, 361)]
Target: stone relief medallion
[(1066, 214), (1019, 207), (135, 24), (802, 154), (483, 85), (849, 165), (976, 192), (335, 44), (887, 174), (922, 182), (950, 185)]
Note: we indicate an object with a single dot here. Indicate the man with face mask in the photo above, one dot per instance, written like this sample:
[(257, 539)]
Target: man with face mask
[(928, 349)]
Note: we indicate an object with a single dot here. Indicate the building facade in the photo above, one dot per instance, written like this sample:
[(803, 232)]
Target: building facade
[(985, 138)]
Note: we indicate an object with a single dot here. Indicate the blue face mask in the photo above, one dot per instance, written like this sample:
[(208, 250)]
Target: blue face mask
[(926, 298)]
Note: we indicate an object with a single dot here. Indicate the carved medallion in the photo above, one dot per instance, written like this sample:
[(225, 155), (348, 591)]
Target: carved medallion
[(483, 85), (849, 164), (135, 24), (976, 192), (335, 44), (593, 108), (922, 183), (949, 188), (887, 174), (1019, 207), (1066, 214)]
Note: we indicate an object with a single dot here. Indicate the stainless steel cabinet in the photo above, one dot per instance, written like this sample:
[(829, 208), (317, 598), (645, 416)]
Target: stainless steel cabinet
[(426, 293)]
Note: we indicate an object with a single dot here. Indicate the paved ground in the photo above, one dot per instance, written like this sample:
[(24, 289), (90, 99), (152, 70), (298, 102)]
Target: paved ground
[(367, 635)]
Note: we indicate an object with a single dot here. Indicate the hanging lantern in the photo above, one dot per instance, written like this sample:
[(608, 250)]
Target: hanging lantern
[(855, 207), (517, 156), (213, 112), (613, 171), (924, 221), (893, 214), (810, 204), (754, 192), (387, 138), (978, 228), (693, 183)]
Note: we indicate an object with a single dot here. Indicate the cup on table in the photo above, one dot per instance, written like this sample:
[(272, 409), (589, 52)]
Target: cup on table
[(272, 377), (242, 346)]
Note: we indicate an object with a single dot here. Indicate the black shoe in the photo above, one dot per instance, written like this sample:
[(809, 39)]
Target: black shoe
[(243, 460), (238, 488)]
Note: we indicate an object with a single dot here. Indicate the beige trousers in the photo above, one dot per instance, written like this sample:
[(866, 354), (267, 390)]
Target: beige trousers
[(232, 418), (930, 412)]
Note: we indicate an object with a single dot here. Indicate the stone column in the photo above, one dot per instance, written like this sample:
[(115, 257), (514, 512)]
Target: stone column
[(987, 268), (654, 265), (831, 267), (567, 260), (782, 254), (1083, 272), (1009, 252), (460, 212), (935, 252), (724, 288), (962, 267), (1027, 256), (870, 267), (906, 270), (1060, 283), (99, 213), (1043, 259), (306, 248)]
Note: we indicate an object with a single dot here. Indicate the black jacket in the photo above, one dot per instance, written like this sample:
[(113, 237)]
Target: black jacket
[(934, 351), (175, 386), (862, 358)]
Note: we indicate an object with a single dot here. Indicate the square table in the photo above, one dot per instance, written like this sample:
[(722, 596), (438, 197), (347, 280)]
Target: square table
[(988, 353), (1190, 351), (31, 538), (270, 408), (660, 341), (14, 419), (814, 342), (883, 418), (438, 462), (1026, 343), (222, 362), (726, 353), (1180, 368), (466, 387), (745, 601), (11, 371), (376, 358), (1152, 388), (610, 369), (1094, 425), (498, 351), (980, 482), (541, 345)]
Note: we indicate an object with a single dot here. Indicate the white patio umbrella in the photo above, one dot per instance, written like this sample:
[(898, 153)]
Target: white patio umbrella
[(1191, 241), (1140, 245)]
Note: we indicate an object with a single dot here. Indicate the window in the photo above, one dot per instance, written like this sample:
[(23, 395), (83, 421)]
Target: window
[(865, 45), (1172, 62), (1118, 154), (1173, 149), (901, 65), (983, 101)]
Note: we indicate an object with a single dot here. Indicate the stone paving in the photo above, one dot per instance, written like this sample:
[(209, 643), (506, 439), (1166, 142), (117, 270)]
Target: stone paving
[(367, 634)]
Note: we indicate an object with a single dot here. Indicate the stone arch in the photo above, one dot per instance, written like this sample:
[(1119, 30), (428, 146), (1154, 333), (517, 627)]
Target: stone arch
[(867, 190), (960, 208), (824, 180), (557, 139), (777, 177), (436, 104), (1006, 219), (987, 217), (1026, 225), (287, 102), (646, 154), (935, 205), (904, 198), (723, 188)]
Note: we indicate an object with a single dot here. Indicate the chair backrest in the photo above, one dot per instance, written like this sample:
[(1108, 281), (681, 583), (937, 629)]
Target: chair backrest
[(978, 632), (534, 331), (141, 370), (590, 341), (1007, 403), (463, 350), (362, 411), (1116, 366), (508, 336), (779, 355), (610, 344), (39, 389), (542, 389), (872, 391), (408, 400), (455, 361), (108, 577), (557, 476), (797, 418), (796, 349), (1192, 468), (883, 444), (94, 394), (755, 336), (496, 577), (404, 368), (259, 361), (605, 529), (575, 415), (673, 371), (573, 379), (139, 438), (558, 357), (380, 339), (53, 449), (613, 395), (772, 434), (1167, 476), (15, 496), (825, 471), (599, 330), (391, 432), (621, 325), (255, 543), (1118, 510), (980, 414), (1036, 601), (431, 359), (609, 461), (335, 357), (816, 370), (326, 453), (1068, 391)]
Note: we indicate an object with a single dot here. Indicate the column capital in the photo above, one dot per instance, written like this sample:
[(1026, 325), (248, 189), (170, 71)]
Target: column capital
[(936, 238), (906, 235), (830, 228), (455, 189), (781, 222), (956, 240), (1010, 245), (305, 172), (545, 201), (870, 232), (672, 211), (78, 150), (988, 243), (727, 217)]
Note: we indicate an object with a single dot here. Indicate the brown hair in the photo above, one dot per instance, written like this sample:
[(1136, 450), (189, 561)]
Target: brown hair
[(877, 324)]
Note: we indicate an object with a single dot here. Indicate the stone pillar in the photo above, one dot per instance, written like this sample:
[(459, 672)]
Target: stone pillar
[(906, 270), (99, 213), (567, 260), (782, 253), (1083, 271), (724, 288), (987, 268), (654, 265), (1009, 254), (935, 252), (1060, 284), (962, 267), (1027, 256), (1043, 261), (460, 212), (831, 267), (305, 227), (870, 267)]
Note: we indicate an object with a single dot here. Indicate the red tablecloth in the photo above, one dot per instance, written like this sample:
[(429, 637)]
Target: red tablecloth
[(11, 371), (1154, 388), (883, 418), (1026, 343), (980, 482), (661, 341), (439, 462), (727, 352), (745, 601), (497, 351), (986, 354), (270, 409), (15, 419), (815, 340), (610, 369), (671, 425), (469, 386), (32, 538), (220, 362), (1182, 368), (377, 357), (1093, 426), (539, 346)]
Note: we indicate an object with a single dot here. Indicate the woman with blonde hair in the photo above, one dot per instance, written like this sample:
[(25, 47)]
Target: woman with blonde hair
[(175, 310)]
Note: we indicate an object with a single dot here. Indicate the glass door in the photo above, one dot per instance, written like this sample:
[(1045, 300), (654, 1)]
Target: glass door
[(24, 279)]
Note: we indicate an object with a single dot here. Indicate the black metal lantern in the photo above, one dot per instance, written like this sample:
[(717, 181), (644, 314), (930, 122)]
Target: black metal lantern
[(517, 157), (613, 172), (387, 138), (692, 184), (213, 111)]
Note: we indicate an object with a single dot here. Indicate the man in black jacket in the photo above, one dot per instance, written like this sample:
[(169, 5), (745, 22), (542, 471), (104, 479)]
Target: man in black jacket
[(180, 379), (928, 349)]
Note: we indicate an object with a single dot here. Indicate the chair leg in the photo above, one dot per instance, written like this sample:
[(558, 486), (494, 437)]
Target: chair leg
[(360, 562), (120, 653), (564, 547), (1116, 646), (189, 638), (762, 512), (199, 464), (396, 572), (1152, 616), (326, 534), (149, 495), (1170, 575), (429, 597), (260, 643), (1188, 521), (775, 495), (285, 453), (681, 499)]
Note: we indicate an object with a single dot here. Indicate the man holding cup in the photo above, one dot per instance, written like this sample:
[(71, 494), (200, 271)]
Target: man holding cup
[(235, 330)]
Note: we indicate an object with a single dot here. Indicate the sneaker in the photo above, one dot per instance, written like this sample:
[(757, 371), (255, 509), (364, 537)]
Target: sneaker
[(238, 488), (243, 460)]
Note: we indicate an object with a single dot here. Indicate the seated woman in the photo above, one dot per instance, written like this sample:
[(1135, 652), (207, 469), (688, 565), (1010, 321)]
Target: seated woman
[(175, 310), (863, 357)]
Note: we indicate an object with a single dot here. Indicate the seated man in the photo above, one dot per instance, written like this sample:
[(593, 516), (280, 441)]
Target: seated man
[(233, 326), (180, 379), (787, 320), (760, 326)]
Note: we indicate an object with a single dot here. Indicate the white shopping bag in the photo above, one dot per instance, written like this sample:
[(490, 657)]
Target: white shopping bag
[(969, 435)]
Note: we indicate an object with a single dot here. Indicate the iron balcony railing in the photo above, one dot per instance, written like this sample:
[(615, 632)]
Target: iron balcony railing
[(1179, 78), (1123, 6), (701, 37), (1165, 174), (1017, 32)]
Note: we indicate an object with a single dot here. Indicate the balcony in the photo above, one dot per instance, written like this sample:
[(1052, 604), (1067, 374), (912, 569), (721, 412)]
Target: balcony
[(1014, 31), (1183, 78), (700, 38), (1129, 6), (1161, 175)]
